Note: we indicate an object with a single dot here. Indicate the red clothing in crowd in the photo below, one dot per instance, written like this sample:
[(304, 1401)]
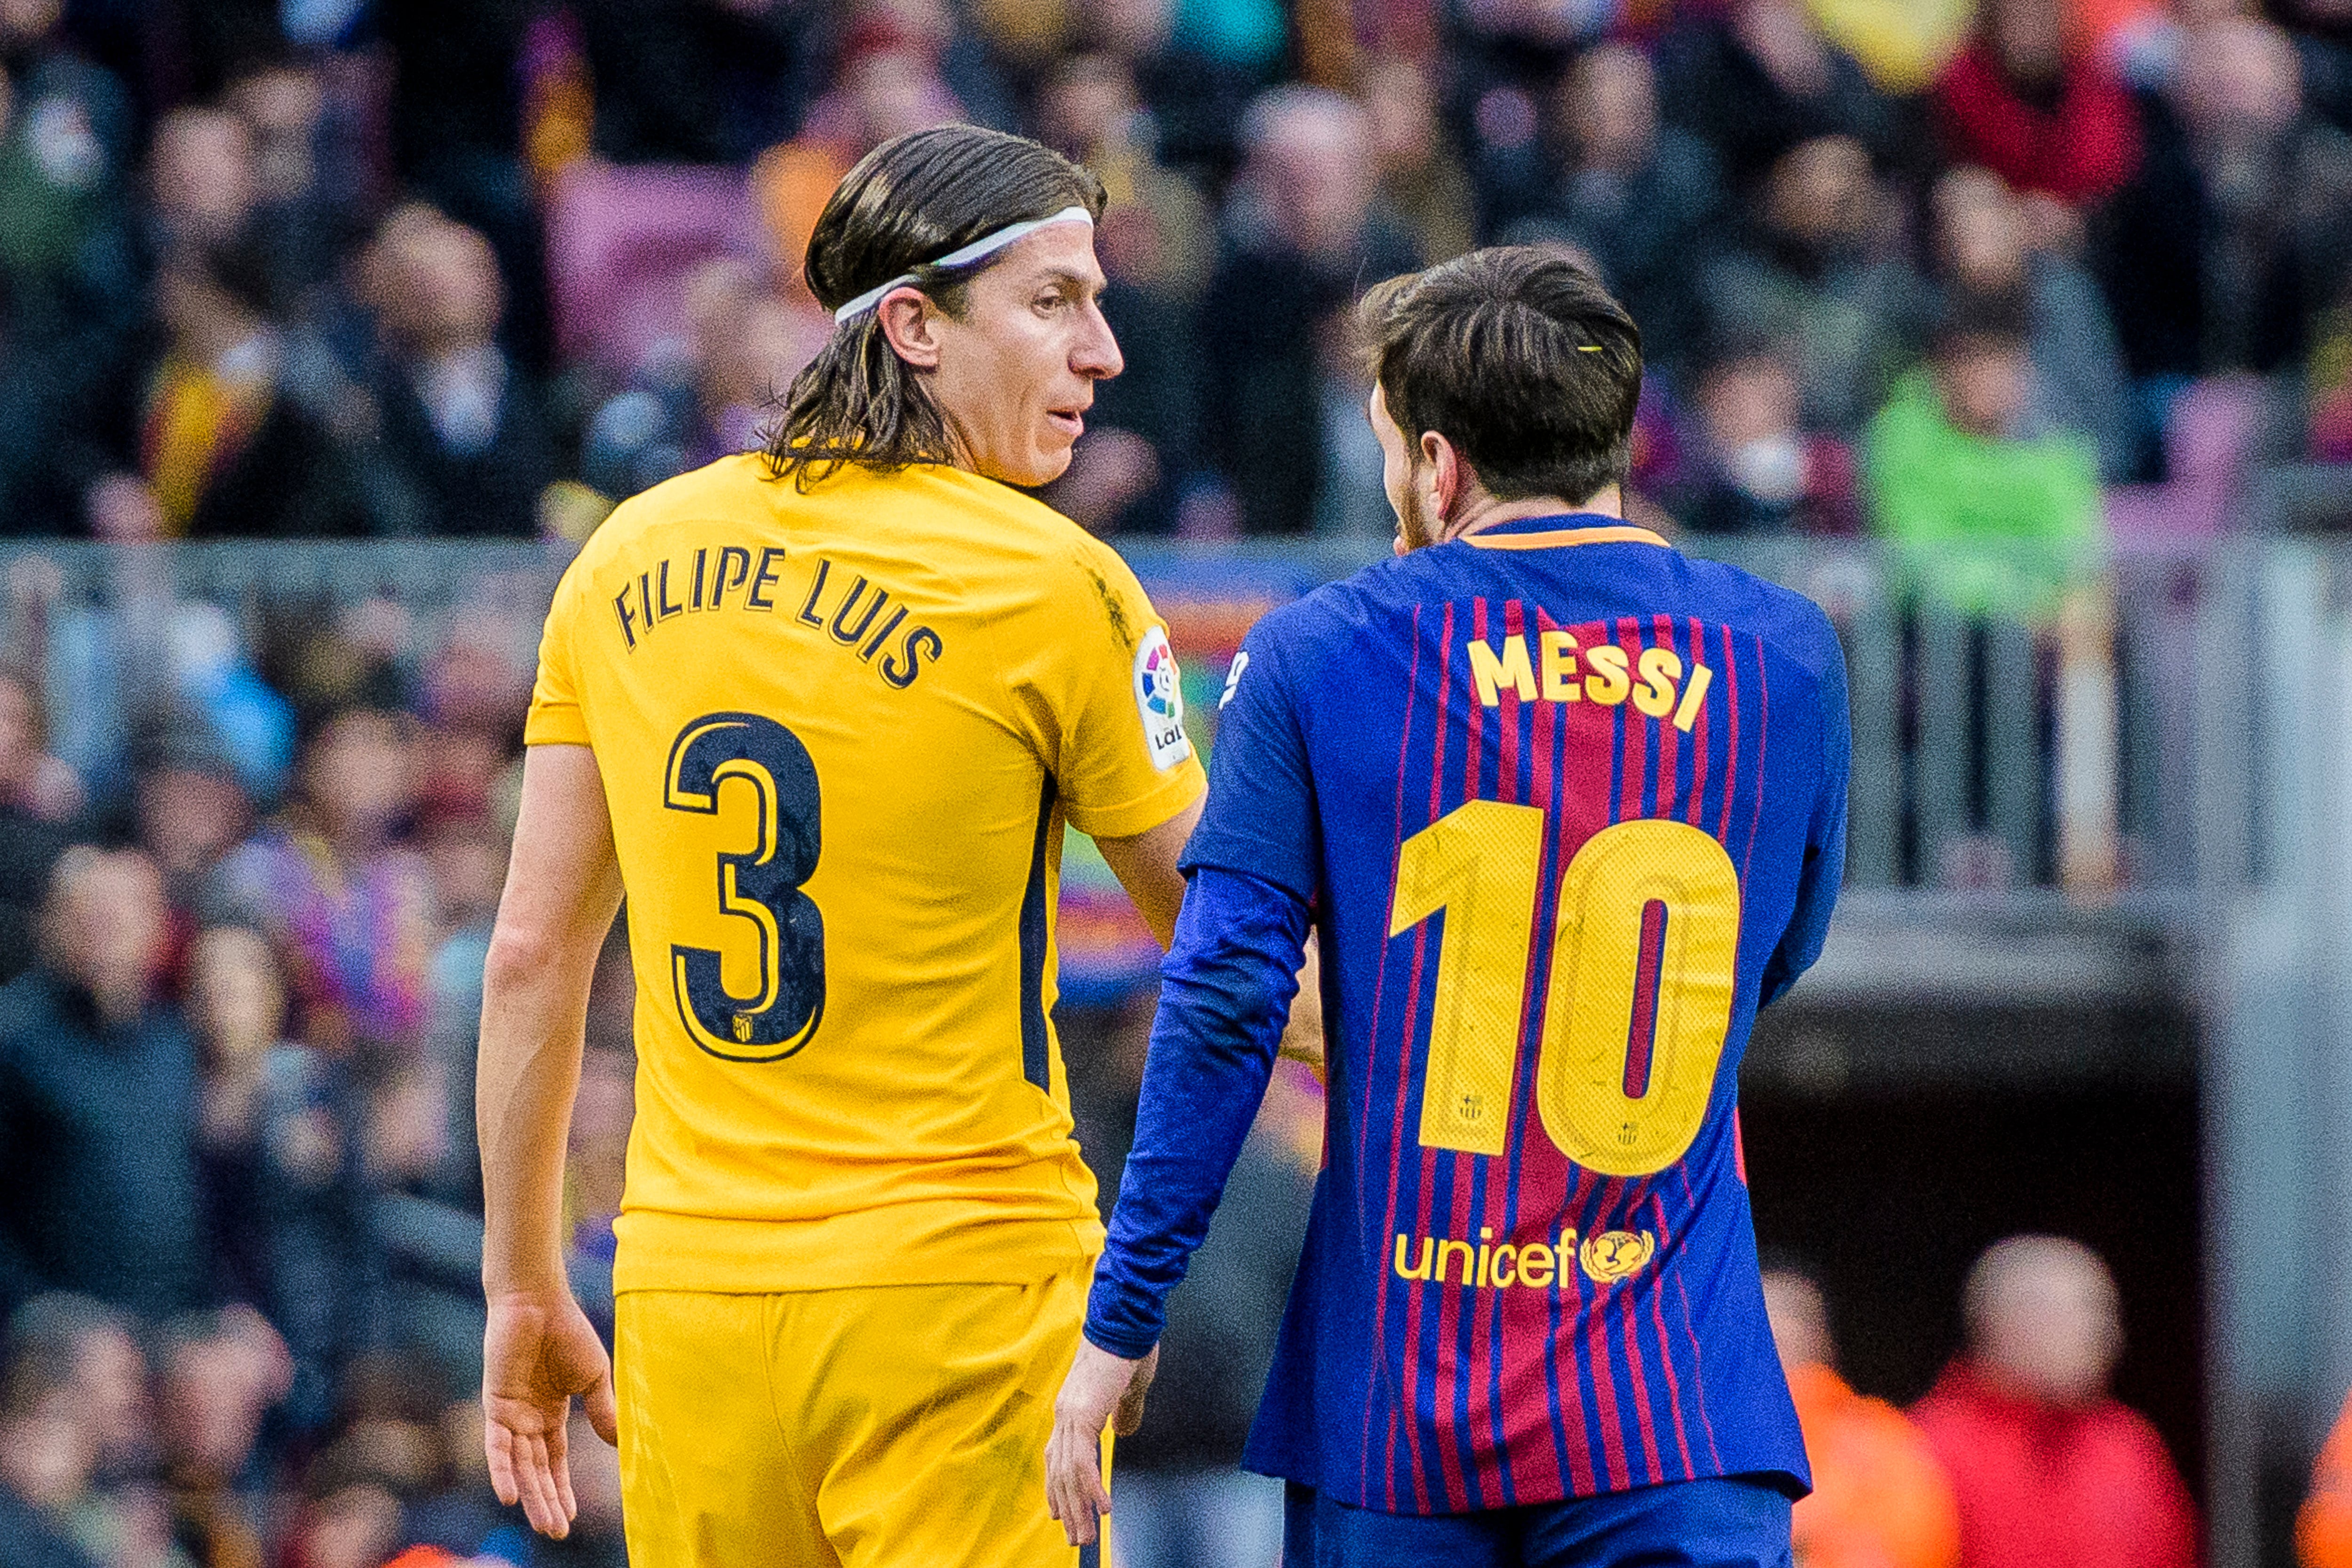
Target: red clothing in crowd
[(2079, 149), (2040, 1487)]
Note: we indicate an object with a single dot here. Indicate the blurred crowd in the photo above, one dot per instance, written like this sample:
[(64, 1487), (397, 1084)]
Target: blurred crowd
[(1951, 273), (369, 268)]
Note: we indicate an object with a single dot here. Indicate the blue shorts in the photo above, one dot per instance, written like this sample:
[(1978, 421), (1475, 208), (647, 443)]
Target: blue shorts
[(1728, 1523)]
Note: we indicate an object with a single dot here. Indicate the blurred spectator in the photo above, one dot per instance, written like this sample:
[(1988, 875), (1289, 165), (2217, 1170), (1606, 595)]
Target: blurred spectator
[(333, 886), (1980, 248), (29, 842), (1302, 236), (45, 1471), (1088, 111), (33, 784), (1880, 1499), (457, 129), (1988, 521), (70, 274), (1753, 467), (88, 1351), (310, 210), (1756, 77), (747, 345), (281, 1152), (461, 423), (74, 1414), (1823, 274), (2028, 100), (468, 859), (1157, 244), (1642, 199), (2047, 1466), (2239, 225), (67, 151), (221, 443), (357, 1526), (98, 1182), (203, 178), (891, 78), (191, 809), (218, 1374), (1422, 183)]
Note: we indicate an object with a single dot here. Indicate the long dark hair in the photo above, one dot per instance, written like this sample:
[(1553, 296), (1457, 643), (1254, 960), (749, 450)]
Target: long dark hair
[(910, 200)]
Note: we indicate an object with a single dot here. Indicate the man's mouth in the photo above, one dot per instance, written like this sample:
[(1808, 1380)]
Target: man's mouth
[(1070, 422)]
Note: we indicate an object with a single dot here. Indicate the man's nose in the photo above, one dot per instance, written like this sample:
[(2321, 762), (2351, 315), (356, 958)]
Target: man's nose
[(1096, 355)]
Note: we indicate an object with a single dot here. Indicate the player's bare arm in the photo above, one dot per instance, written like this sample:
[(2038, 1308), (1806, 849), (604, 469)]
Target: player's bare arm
[(563, 886), (1145, 866)]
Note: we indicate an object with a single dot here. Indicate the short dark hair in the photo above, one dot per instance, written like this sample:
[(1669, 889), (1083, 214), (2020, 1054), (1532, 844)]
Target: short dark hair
[(1521, 359), (911, 200)]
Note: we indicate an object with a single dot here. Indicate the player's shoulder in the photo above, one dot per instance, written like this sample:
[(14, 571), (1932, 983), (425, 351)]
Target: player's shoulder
[(1789, 622), (979, 528), (730, 490)]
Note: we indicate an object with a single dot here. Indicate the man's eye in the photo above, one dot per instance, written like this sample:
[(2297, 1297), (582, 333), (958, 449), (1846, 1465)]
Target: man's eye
[(1052, 301)]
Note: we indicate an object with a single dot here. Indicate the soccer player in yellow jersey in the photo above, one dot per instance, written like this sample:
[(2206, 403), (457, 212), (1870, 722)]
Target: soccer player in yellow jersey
[(820, 713)]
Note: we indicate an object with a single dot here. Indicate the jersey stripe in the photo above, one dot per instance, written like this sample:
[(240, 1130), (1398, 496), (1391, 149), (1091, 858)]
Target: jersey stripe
[(1376, 1365), (1037, 1058)]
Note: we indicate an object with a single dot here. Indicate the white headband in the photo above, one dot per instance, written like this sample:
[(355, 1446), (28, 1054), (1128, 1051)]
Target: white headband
[(987, 245)]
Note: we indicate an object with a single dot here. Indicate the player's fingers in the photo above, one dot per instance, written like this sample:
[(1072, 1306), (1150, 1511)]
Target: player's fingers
[(534, 1508), (1057, 1483), (603, 1410), (546, 1513), (558, 1464), (1076, 1482), (498, 1447)]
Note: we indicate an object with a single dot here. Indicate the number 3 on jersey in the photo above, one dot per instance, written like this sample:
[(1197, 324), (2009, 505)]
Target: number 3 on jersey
[(760, 886), (1642, 955)]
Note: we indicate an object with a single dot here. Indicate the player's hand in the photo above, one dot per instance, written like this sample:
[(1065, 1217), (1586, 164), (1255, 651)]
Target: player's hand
[(1302, 1036), (1101, 1390), (538, 1352)]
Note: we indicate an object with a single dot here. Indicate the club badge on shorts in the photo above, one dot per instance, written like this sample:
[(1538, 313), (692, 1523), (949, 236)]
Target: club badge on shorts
[(1160, 700)]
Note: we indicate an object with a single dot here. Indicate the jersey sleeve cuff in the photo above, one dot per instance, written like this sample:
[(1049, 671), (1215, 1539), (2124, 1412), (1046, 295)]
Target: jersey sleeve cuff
[(1126, 1347), (555, 727), (1262, 861), (1172, 794)]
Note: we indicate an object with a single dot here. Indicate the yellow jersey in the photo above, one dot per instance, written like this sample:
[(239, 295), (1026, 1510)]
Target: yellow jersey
[(839, 734)]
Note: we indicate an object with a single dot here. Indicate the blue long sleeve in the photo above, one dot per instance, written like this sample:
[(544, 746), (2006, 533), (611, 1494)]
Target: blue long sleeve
[(1225, 991)]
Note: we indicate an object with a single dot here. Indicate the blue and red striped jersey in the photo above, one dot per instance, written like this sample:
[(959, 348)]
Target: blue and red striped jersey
[(1568, 807)]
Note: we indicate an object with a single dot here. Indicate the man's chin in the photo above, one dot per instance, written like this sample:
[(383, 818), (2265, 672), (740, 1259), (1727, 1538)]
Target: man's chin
[(1037, 469)]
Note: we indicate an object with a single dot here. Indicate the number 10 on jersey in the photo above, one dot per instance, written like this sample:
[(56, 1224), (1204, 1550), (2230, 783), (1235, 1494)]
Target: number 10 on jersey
[(1643, 953)]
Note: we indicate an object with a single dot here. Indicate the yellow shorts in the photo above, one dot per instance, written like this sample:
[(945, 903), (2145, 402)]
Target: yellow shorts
[(889, 1426)]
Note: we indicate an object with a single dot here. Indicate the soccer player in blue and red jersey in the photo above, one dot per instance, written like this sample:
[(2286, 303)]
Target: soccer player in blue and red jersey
[(1566, 807)]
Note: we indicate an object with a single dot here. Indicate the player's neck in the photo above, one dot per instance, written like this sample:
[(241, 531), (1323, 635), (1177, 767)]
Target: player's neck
[(1482, 512)]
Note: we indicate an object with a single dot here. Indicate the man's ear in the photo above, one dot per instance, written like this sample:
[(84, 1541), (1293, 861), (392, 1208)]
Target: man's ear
[(1445, 470), (909, 322)]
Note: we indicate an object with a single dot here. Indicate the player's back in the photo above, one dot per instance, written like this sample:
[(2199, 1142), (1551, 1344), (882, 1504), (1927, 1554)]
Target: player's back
[(1579, 806), (839, 732)]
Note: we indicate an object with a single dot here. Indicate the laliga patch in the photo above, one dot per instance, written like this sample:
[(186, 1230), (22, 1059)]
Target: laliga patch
[(1160, 700)]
